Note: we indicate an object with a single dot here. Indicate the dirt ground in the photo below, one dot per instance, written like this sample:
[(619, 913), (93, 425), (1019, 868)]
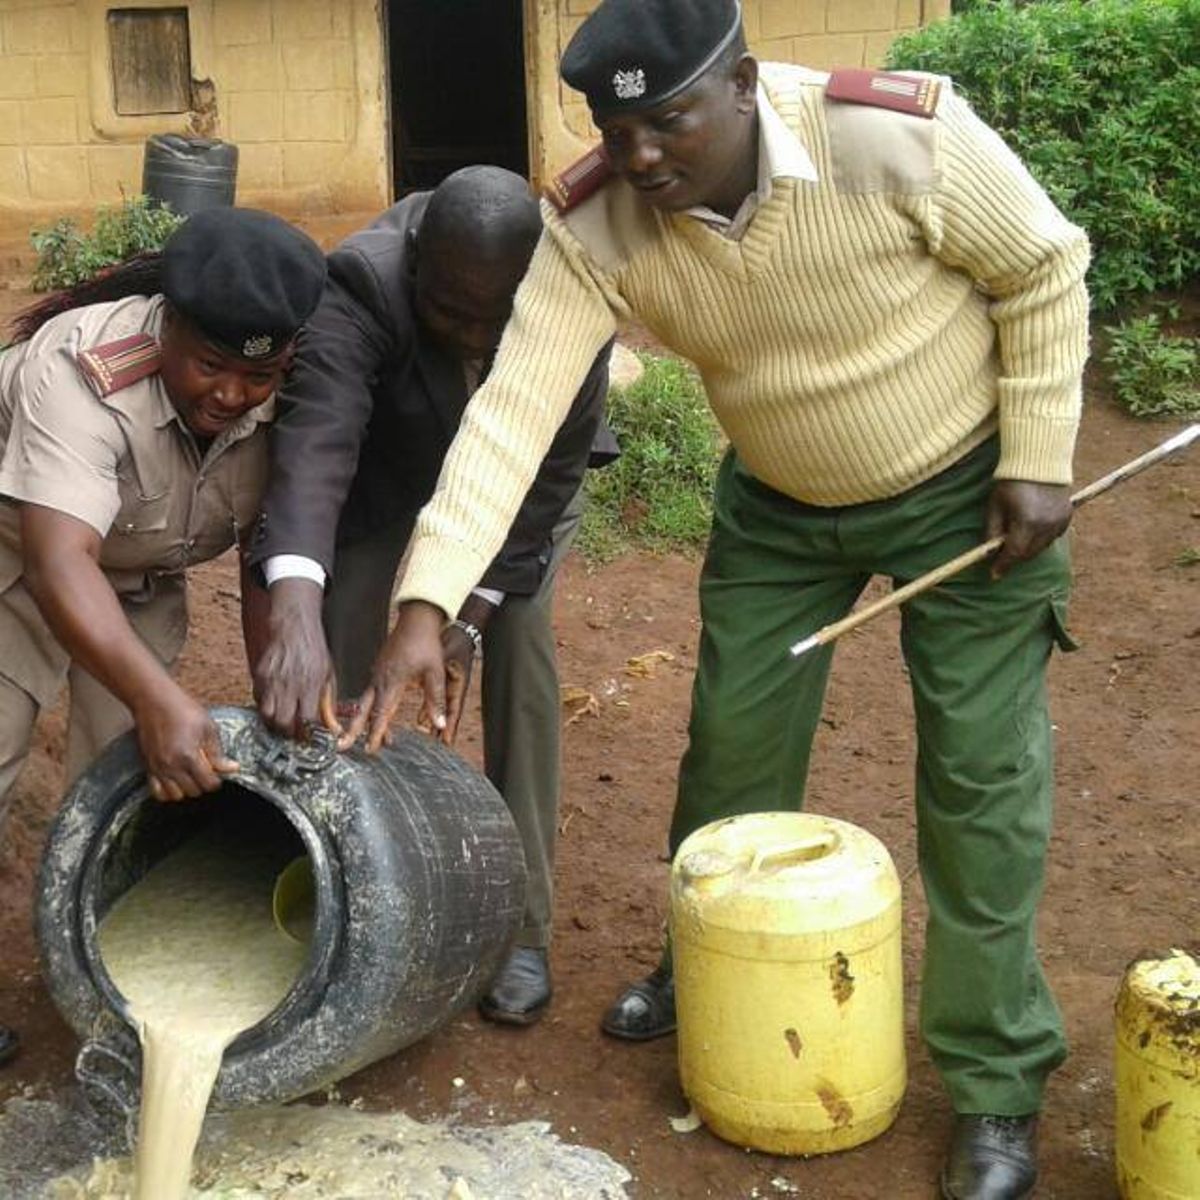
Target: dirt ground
[(1122, 876)]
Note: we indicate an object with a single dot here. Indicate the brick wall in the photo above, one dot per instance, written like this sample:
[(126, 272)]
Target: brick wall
[(816, 33), (297, 84)]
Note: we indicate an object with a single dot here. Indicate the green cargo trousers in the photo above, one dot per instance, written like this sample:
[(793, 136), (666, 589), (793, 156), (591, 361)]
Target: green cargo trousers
[(976, 650), (519, 695)]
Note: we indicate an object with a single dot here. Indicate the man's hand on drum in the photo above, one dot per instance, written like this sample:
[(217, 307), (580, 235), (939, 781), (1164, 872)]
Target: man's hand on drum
[(414, 656)]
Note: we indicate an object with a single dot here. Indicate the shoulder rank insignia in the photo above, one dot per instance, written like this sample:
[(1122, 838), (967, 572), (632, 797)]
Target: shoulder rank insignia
[(912, 94), (116, 365), (580, 180)]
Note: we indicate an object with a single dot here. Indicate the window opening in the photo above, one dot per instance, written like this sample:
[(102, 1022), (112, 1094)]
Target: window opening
[(150, 49)]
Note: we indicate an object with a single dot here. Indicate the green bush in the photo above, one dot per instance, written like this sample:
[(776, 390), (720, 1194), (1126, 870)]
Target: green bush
[(66, 256), (1100, 100), (658, 494), (1153, 374)]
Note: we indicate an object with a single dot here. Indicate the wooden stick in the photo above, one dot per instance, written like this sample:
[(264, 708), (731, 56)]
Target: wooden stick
[(986, 549)]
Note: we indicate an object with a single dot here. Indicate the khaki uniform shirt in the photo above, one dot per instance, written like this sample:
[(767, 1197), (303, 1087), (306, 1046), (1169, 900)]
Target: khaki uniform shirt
[(125, 463)]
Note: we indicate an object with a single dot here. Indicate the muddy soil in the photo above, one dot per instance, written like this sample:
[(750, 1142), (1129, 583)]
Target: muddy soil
[(1122, 875)]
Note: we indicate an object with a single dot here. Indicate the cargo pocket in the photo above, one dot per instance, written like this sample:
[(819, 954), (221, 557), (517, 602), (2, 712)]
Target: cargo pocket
[(1058, 625)]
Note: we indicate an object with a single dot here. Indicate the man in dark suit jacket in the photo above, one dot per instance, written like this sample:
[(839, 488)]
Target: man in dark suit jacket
[(410, 318)]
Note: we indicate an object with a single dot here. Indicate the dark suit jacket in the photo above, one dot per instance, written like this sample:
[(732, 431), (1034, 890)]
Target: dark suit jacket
[(371, 406)]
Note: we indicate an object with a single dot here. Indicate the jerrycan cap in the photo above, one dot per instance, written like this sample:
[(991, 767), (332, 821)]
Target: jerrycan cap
[(1169, 982), (701, 866)]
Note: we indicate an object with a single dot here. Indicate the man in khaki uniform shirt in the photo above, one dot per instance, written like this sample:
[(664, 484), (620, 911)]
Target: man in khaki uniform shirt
[(133, 412)]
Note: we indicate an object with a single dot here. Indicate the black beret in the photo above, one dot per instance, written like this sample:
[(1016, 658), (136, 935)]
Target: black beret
[(633, 54), (246, 279)]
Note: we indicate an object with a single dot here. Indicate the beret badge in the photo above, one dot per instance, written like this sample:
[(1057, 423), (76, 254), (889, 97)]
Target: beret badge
[(257, 347), (630, 84)]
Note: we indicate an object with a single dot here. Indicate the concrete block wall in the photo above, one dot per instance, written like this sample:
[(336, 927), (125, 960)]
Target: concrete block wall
[(297, 84), (43, 102), (285, 77), (816, 33)]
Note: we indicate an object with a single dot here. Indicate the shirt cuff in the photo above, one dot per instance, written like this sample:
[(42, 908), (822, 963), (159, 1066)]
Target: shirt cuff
[(293, 566), (492, 595)]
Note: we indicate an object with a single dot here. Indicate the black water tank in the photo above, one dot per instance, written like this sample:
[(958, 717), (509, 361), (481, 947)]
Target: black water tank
[(419, 886), (189, 174)]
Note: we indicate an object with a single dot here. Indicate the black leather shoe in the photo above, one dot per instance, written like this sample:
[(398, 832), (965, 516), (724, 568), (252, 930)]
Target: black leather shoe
[(644, 1011), (521, 991), (991, 1158), (9, 1044)]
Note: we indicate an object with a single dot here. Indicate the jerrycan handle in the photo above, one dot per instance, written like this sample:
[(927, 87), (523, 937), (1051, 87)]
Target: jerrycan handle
[(793, 854)]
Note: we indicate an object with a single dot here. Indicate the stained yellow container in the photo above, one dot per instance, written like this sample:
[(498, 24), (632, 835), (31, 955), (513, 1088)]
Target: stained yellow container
[(1158, 1079), (786, 935)]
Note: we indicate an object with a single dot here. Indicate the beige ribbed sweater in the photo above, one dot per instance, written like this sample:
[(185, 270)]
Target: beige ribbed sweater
[(865, 332)]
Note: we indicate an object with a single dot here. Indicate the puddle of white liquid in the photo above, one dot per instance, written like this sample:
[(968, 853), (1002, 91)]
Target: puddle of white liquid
[(334, 1153)]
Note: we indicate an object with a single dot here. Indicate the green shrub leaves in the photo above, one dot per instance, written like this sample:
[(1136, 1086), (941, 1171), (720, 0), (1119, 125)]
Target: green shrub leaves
[(1100, 100), (67, 257), (1153, 374)]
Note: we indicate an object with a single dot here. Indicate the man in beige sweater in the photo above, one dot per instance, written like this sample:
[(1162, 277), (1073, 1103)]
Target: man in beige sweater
[(890, 320)]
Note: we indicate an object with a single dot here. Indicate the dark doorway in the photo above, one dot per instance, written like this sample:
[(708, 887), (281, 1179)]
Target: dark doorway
[(458, 88)]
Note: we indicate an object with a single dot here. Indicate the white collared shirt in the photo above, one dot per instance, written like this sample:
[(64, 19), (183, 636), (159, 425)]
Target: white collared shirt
[(781, 155)]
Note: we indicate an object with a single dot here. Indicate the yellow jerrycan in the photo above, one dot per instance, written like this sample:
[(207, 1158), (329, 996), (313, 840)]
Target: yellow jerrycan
[(788, 981), (1158, 1079)]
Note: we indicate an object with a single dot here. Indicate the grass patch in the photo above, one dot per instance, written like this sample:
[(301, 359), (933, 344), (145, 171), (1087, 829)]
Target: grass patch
[(658, 495)]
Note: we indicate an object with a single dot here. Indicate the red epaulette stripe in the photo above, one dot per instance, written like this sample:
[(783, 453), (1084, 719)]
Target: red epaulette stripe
[(116, 365), (580, 180), (916, 95)]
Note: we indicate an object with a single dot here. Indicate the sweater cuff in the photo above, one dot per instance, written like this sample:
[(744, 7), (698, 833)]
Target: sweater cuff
[(440, 571), (1037, 451)]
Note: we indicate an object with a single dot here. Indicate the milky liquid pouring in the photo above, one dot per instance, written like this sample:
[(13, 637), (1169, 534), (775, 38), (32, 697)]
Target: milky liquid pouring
[(195, 951)]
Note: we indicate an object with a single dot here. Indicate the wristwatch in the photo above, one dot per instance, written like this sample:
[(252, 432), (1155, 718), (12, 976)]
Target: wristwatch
[(473, 632)]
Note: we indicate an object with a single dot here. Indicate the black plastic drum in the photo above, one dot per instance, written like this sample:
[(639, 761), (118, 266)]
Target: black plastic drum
[(189, 174), (419, 890)]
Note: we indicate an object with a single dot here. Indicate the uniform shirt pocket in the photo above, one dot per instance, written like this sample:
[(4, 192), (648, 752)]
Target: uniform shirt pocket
[(141, 536), (145, 506)]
